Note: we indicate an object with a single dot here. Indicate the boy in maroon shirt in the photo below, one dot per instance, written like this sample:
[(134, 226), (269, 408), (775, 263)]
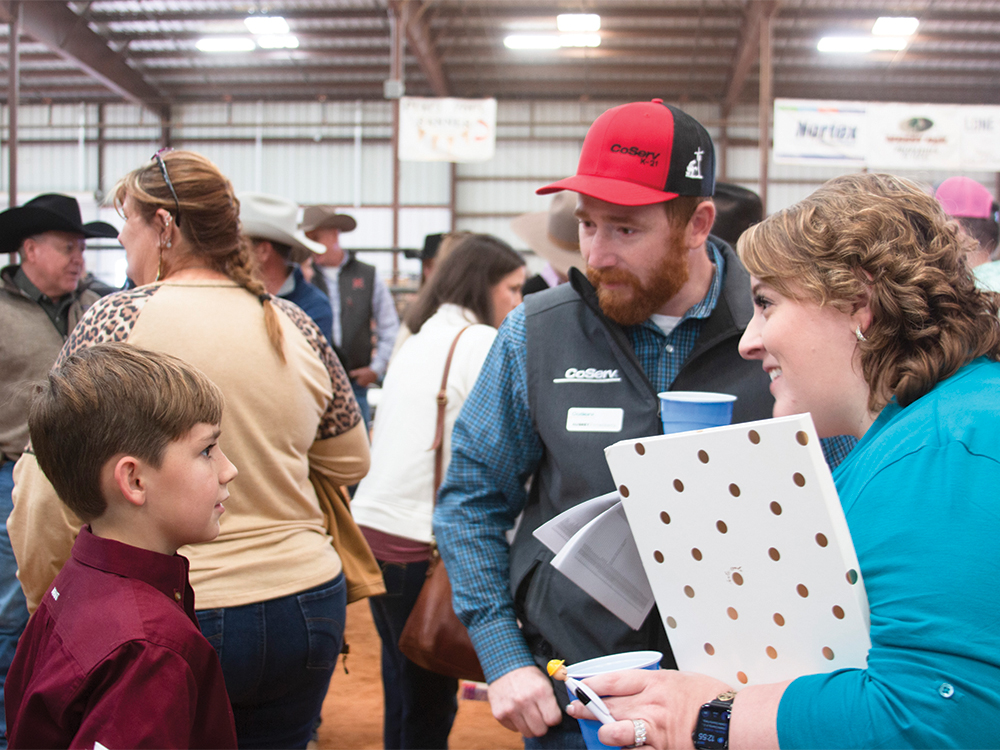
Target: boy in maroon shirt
[(114, 657)]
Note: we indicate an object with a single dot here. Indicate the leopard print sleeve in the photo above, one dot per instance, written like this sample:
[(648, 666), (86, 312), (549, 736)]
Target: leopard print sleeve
[(110, 318), (343, 411)]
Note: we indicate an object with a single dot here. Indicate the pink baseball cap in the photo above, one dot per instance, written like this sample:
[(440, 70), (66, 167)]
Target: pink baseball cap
[(643, 153), (965, 198)]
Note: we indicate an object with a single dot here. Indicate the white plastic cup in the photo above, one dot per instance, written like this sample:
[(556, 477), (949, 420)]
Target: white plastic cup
[(603, 665), (681, 411)]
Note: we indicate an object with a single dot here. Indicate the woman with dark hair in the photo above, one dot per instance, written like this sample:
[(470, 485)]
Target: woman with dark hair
[(469, 293), (867, 317), (270, 591)]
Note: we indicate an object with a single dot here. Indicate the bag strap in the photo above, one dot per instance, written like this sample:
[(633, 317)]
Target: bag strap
[(442, 402)]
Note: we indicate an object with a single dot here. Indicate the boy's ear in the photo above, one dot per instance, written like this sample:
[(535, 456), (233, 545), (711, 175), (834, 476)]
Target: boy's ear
[(129, 478)]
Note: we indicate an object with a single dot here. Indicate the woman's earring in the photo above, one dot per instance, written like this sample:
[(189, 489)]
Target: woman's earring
[(857, 331)]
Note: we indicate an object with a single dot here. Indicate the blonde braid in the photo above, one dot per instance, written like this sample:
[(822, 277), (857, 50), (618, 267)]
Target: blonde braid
[(241, 268)]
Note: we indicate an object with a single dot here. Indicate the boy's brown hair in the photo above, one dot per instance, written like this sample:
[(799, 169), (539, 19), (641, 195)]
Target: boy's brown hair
[(109, 400)]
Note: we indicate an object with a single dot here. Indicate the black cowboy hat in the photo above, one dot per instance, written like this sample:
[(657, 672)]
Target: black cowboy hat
[(47, 213)]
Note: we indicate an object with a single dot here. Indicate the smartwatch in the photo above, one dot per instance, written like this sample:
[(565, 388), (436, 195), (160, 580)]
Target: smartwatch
[(712, 730)]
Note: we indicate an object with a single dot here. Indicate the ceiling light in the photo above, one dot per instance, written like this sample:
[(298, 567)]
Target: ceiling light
[(580, 40), (285, 41), (266, 25), (860, 44), (225, 44), (892, 43), (578, 23), (532, 41), (851, 44), (895, 26)]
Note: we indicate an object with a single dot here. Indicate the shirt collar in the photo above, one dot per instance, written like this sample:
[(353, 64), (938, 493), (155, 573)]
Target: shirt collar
[(25, 285), (166, 573), (288, 286)]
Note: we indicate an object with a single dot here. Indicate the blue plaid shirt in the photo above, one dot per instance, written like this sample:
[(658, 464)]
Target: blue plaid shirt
[(495, 450)]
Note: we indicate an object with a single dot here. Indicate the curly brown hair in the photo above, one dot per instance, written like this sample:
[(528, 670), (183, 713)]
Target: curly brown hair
[(207, 213), (881, 240)]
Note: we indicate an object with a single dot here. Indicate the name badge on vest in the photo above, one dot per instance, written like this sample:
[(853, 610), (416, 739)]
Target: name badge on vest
[(583, 419)]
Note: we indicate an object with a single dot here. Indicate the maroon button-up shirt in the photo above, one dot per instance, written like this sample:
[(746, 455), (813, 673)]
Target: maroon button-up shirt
[(114, 656)]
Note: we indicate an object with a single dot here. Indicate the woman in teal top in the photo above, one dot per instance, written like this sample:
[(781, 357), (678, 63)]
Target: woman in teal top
[(867, 317)]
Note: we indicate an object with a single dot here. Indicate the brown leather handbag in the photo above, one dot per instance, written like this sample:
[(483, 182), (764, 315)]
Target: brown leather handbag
[(433, 636)]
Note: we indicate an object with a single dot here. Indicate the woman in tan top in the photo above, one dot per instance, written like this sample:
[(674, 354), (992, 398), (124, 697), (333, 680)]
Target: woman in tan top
[(270, 593)]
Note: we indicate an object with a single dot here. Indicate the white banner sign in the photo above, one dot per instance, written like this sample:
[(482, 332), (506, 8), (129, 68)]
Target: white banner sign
[(981, 137), (888, 135), (914, 136), (810, 132), (446, 129)]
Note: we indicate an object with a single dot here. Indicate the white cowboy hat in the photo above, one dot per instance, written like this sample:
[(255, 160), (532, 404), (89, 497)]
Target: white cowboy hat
[(268, 217)]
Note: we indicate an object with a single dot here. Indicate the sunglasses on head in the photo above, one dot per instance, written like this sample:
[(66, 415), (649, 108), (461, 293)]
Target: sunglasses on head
[(166, 179)]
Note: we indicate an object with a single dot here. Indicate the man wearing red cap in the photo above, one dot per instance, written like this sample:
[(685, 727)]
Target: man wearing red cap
[(574, 369)]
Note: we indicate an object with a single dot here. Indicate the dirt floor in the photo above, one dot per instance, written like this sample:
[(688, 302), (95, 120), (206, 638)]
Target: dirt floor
[(352, 713)]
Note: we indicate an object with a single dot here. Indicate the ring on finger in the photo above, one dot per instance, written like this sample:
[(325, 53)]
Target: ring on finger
[(640, 732)]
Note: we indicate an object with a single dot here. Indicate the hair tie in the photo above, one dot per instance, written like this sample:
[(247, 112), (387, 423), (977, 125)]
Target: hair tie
[(265, 297)]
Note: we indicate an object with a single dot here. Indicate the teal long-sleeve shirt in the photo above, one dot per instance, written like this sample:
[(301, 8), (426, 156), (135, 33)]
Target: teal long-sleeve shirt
[(921, 493)]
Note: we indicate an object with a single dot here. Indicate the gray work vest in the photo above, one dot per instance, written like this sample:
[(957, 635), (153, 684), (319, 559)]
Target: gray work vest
[(577, 358), (357, 285)]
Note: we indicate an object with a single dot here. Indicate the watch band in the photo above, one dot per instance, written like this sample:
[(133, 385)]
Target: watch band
[(712, 729)]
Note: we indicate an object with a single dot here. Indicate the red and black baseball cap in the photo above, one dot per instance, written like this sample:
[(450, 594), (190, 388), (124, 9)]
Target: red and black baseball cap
[(642, 153)]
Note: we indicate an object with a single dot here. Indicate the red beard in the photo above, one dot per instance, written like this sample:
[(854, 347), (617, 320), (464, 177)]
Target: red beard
[(635, 301)]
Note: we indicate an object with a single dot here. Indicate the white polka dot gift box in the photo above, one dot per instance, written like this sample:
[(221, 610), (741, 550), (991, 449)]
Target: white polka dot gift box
[(744, 542)]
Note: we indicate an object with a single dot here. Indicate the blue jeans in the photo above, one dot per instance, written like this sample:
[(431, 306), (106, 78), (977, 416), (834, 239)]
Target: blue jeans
[(13, 610), (361, 396), (420, 706), (277, 657)]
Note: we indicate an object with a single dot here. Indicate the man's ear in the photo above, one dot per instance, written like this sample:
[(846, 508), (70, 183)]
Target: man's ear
[(27, 249), (261, 249), (130, 478), (700, 224)]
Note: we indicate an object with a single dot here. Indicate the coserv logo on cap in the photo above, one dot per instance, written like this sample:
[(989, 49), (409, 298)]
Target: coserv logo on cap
[(647, 158)]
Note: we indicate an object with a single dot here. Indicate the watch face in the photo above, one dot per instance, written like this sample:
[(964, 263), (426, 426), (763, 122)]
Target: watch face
[(713, 727)]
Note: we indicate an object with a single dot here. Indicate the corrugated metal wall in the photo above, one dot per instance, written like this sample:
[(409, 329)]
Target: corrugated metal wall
[(340, 153)]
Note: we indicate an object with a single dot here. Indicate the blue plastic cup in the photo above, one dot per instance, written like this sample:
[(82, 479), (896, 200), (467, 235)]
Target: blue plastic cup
[(681, 411), (603, 665)]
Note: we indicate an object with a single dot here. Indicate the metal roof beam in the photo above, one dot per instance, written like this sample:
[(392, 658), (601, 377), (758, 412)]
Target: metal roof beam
[(419, 38), (746, 49), (68, 35)]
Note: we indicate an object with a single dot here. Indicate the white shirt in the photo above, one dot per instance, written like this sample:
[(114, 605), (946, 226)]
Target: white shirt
[(396, 497)]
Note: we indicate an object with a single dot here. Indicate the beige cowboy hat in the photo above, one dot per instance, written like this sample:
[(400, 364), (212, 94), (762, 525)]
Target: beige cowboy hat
[(553, 234), (326, 217), (268, 217)]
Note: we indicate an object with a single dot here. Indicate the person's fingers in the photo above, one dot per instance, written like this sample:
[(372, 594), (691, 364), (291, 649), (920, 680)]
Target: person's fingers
[(577, 710), (619, 734), (522, 700), (627, 682)]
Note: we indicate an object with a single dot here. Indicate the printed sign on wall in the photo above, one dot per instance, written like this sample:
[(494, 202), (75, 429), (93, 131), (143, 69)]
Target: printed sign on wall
[(914, 136), (447, 129), (981, 137), (810, 132), (887, 135)]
